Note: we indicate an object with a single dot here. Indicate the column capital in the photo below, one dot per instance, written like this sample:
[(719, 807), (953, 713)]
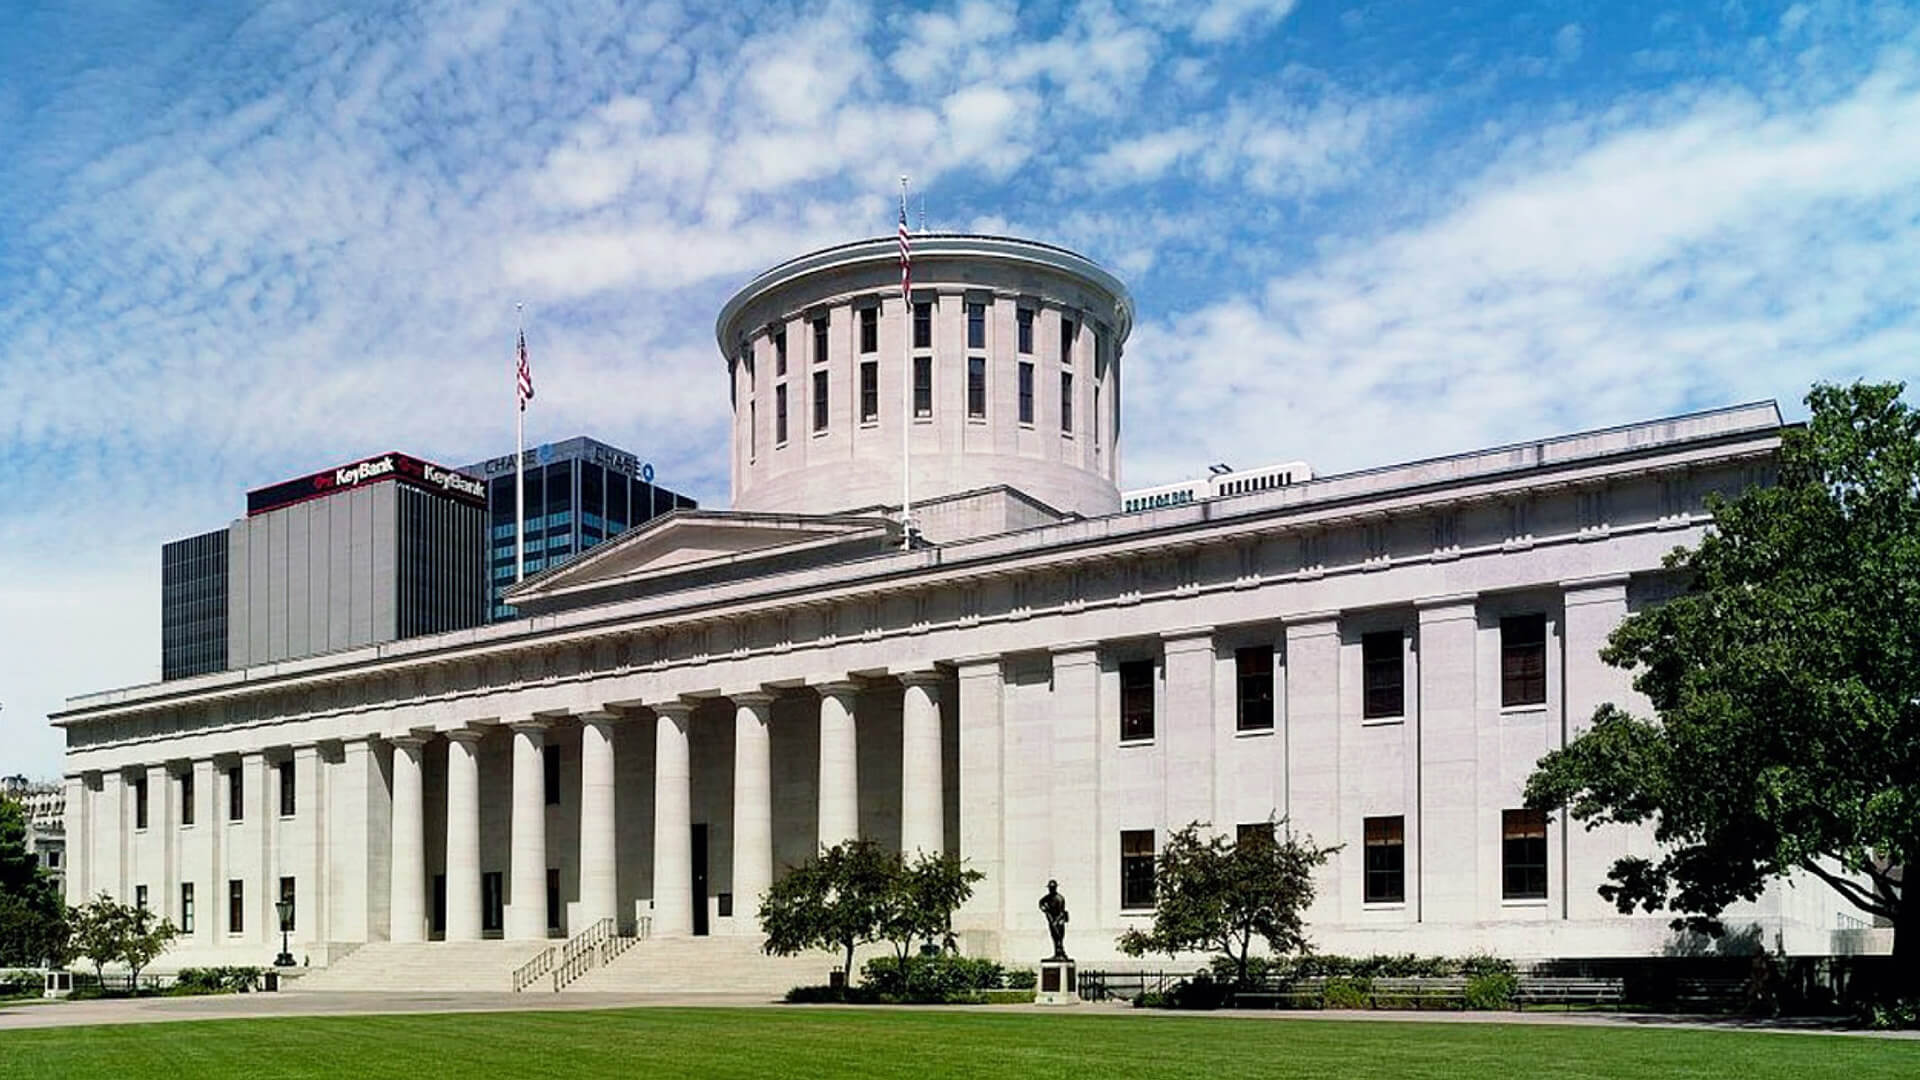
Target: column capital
[(464, 735), (839, 687), (981, 664), (599, 716), (758, 699), (1076, 654), (1188, 639), (407, 741), (920, 677), (532, 725), (677, 709), (1446, 606), (1600, 589)]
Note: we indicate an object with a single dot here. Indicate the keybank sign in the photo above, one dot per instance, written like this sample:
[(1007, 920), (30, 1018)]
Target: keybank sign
[(390, 466)]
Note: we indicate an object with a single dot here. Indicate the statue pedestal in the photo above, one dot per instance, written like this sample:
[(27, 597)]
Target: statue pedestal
[(1059, 984)]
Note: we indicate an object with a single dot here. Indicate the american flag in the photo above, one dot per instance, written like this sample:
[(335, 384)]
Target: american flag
[(525, 383), (906, 257)]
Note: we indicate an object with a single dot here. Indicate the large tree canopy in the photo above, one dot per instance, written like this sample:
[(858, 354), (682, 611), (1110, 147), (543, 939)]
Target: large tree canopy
[(1786, 682), (33, 926)]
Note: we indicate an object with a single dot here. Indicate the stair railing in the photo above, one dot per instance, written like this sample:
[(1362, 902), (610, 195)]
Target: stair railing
[(525, 974), (595, 946)]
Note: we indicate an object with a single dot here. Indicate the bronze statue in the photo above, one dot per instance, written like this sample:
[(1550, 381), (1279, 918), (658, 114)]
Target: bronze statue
[(1054, 907)]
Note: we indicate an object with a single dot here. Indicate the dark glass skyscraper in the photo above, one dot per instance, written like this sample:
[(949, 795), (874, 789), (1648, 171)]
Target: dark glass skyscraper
[(193, 605), (579, 492)]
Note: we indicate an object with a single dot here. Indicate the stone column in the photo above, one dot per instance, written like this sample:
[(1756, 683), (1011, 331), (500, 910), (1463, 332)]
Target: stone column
[(673, 897), (407, 878), (839, 764), (463, 835), (1185, 726), (983, 805), (1594, 607), (599, 861), (922, 799), (527, 867), (1449, 822), (79, 855), (752, 808)]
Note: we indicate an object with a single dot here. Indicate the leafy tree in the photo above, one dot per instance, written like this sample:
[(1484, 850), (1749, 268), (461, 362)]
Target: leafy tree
[(33, 924), (834, 901), (921, 903), (98, 932), (1213, 895), (1786, 683), (146, 937)]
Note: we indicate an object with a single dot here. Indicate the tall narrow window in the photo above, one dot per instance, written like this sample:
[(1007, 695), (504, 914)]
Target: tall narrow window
[(1023, 330), (140, 897), (1026, 391), (819, 401), (753, 430), (1386, 860), (869, 329), (780, 414), (287, 793), (1066, 402), (493, 901), (186, 797), (553, 898), (977, 387), (820, 339), (780, 352), (186, 907), (976, 326), (1523, 854), (869, 391), (236, 906), (1066, 340), (1095, 424), (1136, 869), (1253, 669), (236, 792), (923, 325), (1383, 674), (1523, 660), (550, 773), (139, 802), (922, 386), (287, 898), (1136, 700)]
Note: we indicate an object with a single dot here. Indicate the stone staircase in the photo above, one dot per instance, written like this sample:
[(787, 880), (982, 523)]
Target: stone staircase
[(434, 965), (705, 965)]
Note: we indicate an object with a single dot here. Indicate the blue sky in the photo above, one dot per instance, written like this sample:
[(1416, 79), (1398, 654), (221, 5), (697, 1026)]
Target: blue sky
[(243, 241)]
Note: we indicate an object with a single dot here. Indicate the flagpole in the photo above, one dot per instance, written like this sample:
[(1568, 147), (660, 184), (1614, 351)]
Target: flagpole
[(519, 455), (906, 387)]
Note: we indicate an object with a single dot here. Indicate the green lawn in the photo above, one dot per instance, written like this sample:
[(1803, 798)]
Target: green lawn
[(813, 1042)]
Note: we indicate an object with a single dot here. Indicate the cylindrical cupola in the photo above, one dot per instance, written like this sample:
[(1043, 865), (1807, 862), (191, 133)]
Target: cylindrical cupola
[(1004, 367)]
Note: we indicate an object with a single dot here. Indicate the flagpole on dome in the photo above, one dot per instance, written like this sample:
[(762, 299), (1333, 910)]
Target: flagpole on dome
[(906, 375), (522, 393)]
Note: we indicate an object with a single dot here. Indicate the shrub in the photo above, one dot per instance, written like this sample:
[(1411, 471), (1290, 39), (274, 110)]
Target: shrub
[(833, 995), (1150, 999), (1894, 1015), (932, 978), (1483, 964), (1007, 997), (216, 980), (1491, 991), (1344, 992), (1020, 978)]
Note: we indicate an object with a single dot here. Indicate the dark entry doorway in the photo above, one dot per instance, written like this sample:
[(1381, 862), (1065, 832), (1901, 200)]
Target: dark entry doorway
[(700, 881)]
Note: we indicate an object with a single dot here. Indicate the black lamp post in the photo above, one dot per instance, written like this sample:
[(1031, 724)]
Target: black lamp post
[(284, 909)]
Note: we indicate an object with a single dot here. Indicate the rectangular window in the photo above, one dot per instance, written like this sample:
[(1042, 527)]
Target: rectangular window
[(922, 386), (820, 340), (186, 798), (492, 901), (1023, 330), (1253, 668), (780, 352), (753, 432), (1136, 700), (1066, 340), (287, 801), (1026, 391), (869, 329), (976, 326), (1523, 854), (819, 401), (1386, 860), (977, 387), (236, 906), (553, 898), (780, 414), (140, 897), (923, 325), (236, 790), (139, 802), (1253, 832), (1523, 660), (550, 770), (186, 907), (1136, 868), (1383, 675), (870, 391), (1096, 417), (1066, 402), (286, 897)]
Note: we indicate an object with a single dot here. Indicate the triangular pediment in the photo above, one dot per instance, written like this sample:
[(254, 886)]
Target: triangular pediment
[(699, 544)]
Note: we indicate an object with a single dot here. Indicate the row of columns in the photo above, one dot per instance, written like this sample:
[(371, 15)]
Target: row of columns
[(922, 811)]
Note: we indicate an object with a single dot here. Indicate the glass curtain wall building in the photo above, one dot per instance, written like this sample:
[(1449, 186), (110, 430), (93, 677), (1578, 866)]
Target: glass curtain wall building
[(580, 491), (193, 605)]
